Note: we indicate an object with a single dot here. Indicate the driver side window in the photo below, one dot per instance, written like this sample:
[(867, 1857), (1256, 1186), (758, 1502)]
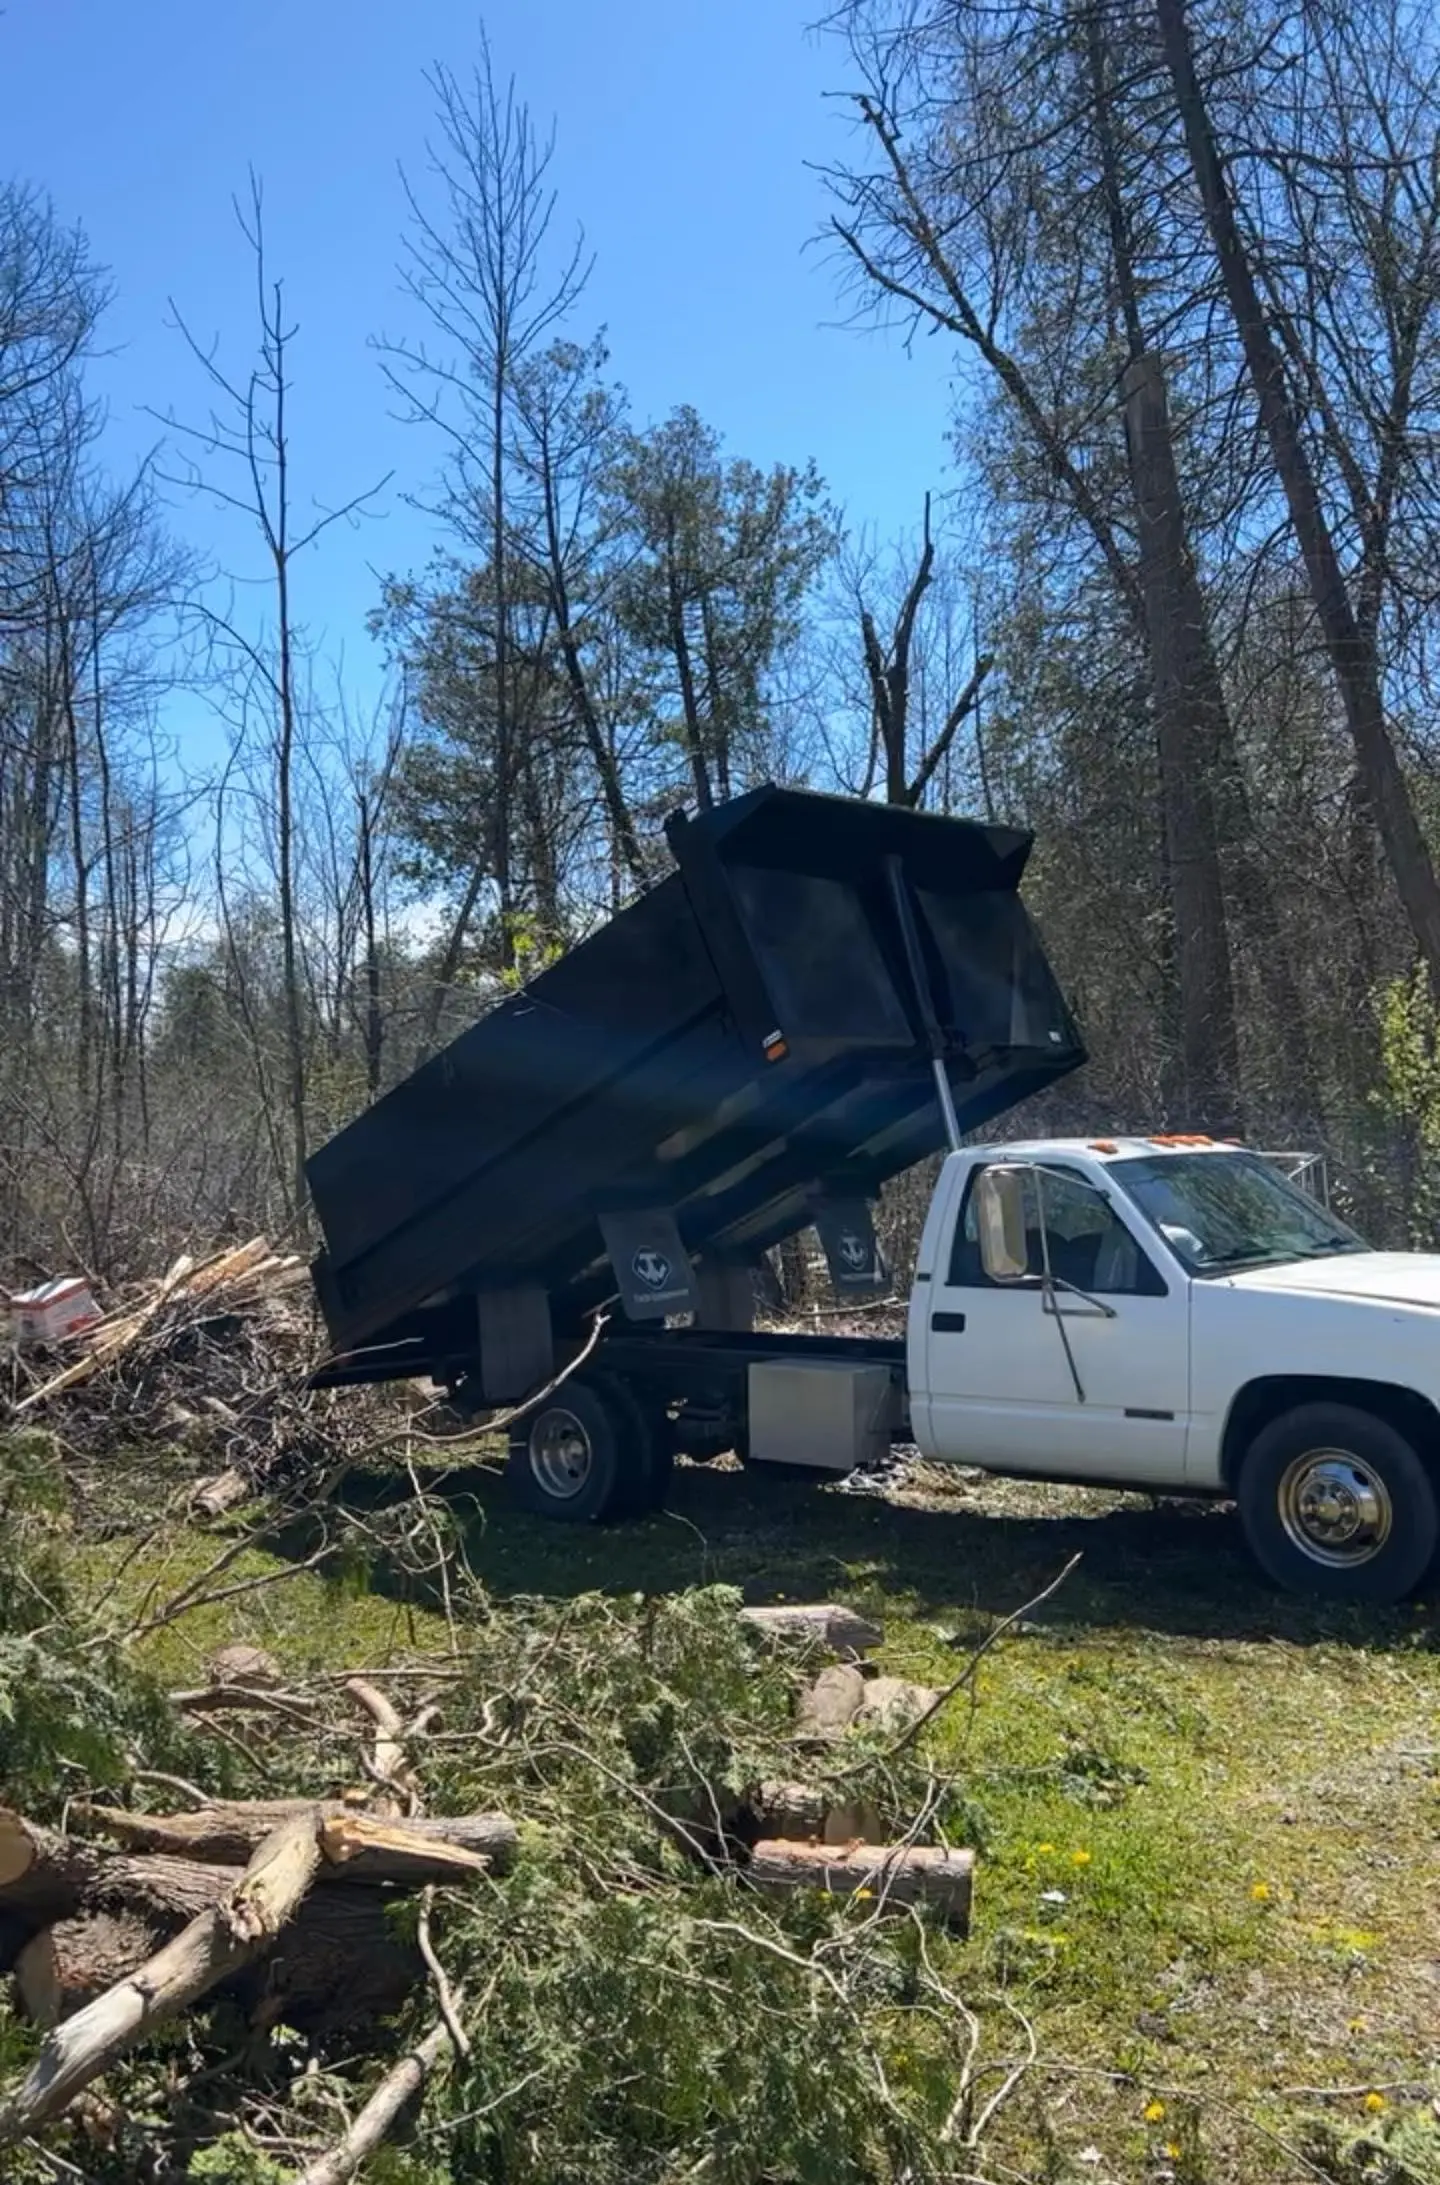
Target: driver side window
[(1090, 1247)]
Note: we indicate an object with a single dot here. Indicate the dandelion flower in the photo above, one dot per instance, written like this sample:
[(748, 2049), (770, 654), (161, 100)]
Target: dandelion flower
[(1154, 2112), (864, 1896), (1044, 1851), (1356, 2025), (1079, 1858), (1170, 2151), (1374, 2103), (1260, 1891)]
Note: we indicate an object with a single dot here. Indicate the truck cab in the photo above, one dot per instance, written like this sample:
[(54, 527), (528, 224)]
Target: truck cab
[(1173, 1314)]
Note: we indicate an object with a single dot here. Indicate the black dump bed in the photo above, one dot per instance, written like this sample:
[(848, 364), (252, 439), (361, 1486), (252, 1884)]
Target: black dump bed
[(743, 1040)]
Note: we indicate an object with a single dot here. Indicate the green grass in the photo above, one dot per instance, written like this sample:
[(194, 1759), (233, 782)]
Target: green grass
[(1210, 1865)]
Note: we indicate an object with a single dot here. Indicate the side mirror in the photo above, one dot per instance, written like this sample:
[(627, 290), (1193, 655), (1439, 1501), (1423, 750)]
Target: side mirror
[(1000, 1217)]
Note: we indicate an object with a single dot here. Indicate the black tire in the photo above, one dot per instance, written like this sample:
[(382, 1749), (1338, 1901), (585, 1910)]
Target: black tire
[(1338, 1503), (573, 1458)]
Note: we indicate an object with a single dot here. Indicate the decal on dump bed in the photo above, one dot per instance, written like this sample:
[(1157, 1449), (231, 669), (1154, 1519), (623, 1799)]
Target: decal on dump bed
[(651, 1265), (852, 1252)]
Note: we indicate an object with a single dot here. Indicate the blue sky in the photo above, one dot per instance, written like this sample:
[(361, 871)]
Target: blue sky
[(682, 140)]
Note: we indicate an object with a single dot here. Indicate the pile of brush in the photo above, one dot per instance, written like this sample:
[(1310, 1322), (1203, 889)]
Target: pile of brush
[(119, 1921), (210, 1363)]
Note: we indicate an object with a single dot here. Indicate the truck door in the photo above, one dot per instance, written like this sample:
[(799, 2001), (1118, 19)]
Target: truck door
[(1002, 1390)]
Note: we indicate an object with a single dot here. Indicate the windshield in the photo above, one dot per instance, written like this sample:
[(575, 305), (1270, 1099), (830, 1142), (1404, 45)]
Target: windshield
[(1221, 1211)]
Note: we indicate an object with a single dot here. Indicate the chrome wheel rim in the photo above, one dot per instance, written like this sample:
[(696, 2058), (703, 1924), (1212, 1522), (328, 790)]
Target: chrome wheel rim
[(560, 1454), (1335, 1508)]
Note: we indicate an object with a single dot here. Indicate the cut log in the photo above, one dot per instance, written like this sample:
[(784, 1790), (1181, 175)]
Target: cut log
[(339, 1961), (41, 1872), (164, 1892), (893, 1703), (156, 1887), (76, 1959), (831, 1703), (843, 1630), (400, 2085), (795, 1811), (885, 1874), (21, 1845), (247, 1918), (228, 1834)]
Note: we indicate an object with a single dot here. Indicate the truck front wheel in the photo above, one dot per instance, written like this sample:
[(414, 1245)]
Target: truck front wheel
[(1337, 1502), (585, 1455)]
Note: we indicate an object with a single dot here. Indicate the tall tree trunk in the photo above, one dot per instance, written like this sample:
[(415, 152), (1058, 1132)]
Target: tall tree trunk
[(504, 731), (890, 677), (694, 735), (1189, 743), (1351, 648), (544, 873), (715, 699), (1189, 705)]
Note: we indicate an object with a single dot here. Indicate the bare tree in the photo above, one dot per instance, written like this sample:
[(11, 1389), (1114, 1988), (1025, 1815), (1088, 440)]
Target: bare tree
[(246, 438), (906, 772), (482, 268)]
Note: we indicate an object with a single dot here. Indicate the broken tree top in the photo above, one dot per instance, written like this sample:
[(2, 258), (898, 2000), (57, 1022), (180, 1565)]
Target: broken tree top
[(752, 1034)]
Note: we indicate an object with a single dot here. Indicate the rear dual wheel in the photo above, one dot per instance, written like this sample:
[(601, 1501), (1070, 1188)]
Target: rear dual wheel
[(587, 1455)]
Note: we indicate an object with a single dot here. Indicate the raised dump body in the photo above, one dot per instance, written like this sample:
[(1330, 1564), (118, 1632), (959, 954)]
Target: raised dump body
[(751, 1042)]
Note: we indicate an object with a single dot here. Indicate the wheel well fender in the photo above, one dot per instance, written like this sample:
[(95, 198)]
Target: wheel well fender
[(1272, 1394)]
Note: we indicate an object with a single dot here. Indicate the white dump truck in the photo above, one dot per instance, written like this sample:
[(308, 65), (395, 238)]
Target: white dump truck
[(568, 1209)]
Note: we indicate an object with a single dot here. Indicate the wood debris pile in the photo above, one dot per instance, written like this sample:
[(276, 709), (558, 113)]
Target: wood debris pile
[(210, 1362), (121, 1920)]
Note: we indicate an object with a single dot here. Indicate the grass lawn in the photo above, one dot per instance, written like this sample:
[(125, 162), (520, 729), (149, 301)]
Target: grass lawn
[(1210, 1873)]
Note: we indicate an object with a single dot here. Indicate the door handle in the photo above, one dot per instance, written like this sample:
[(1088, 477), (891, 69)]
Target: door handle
[(947, 1323)]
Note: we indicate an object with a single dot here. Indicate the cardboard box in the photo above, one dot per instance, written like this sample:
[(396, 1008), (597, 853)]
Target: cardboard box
[(55, 1311)]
